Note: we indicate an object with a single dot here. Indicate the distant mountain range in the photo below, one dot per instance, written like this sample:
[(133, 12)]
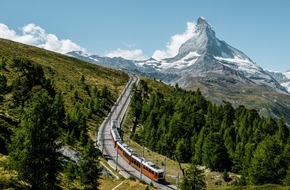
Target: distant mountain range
[(222, 72), (282, 78)]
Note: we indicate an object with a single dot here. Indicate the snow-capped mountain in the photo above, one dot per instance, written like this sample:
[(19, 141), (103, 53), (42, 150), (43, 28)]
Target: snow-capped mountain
[(219, 70), (204, 53), (115, 62), (282, 78), (200, 56), (129, 66)]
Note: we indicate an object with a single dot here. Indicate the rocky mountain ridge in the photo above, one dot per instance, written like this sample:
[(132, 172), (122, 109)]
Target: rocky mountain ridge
[(222, 72)]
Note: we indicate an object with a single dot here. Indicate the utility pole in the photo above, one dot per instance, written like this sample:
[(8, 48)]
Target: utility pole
[(177, 181), (141, 171), (165, 162), (141, 163), (117, 161)]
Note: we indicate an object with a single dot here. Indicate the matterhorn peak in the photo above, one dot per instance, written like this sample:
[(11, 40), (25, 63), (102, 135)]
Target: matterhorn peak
[(204, 26), (201, 21), (200, 42)]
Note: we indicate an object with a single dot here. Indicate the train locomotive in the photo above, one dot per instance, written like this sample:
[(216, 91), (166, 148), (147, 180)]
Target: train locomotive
[(139, 163)]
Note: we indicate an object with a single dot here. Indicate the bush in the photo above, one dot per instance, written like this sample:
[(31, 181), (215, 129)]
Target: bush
[(133, 178), (226, 176)]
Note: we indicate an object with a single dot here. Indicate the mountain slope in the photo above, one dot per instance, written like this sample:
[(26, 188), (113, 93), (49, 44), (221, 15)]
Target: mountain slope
[(80, 83), (282, 78), (64, 69), (222, 72)]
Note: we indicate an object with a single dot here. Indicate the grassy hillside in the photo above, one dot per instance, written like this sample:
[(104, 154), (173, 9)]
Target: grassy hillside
[(88, 92), (65, 72)]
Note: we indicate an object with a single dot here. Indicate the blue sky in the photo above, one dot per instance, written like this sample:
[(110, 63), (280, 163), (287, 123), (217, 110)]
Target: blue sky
[(259, 28)]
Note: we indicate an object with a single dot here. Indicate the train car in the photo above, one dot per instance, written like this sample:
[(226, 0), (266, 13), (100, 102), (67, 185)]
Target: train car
[(152, 171), (115, 136), (124, 151), (148, 168), (137, 162)]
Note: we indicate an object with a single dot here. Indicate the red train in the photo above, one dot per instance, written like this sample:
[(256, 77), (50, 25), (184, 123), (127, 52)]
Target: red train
[(148, 168)]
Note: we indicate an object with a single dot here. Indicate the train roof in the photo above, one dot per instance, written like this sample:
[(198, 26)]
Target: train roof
[(152, 166), (115, 135), (148, 164), (126, 148)]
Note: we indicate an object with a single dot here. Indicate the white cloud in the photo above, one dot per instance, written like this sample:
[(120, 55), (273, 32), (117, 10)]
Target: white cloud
[(176, 41), (37, 36), (136, 54)]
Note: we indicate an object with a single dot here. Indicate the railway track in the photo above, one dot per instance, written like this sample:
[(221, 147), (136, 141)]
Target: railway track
[(106, 144)]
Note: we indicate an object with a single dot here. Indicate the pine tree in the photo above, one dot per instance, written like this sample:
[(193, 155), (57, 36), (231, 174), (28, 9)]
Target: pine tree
[(3, 86), (215, 155), (268, 163), (287, 178), (34, 151), (89, 171), (193, 179), (198, 146), (70, 172)]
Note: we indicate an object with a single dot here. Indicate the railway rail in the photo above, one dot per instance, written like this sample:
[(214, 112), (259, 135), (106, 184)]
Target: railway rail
[(112, 150)]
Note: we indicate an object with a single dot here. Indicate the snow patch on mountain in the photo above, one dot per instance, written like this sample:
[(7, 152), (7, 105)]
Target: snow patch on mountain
[(287, 74), (238, 63), (184, 62), (286, 85)]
